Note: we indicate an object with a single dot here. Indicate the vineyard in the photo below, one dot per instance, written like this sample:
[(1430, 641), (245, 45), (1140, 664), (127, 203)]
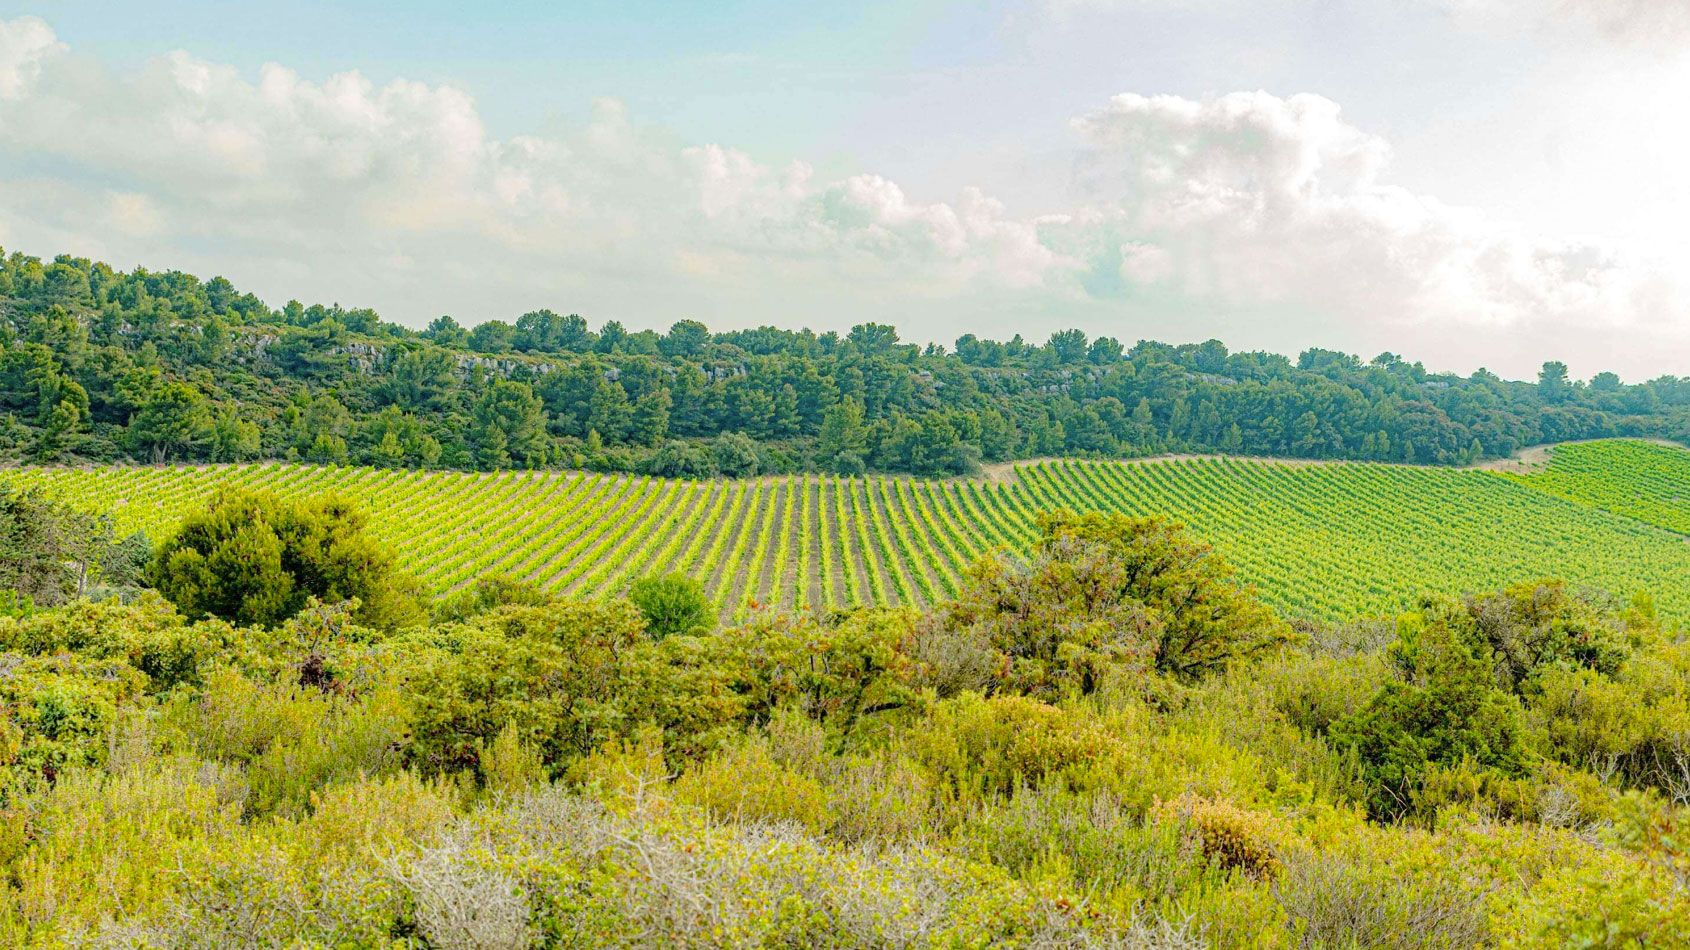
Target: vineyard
[(1322, 541), (1643, 480)]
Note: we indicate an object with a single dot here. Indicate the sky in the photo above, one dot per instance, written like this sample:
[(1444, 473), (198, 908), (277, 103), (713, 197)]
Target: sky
[(1468, 183)]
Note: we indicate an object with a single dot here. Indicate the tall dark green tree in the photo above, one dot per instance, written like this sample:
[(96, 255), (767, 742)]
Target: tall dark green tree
[(173, 420)]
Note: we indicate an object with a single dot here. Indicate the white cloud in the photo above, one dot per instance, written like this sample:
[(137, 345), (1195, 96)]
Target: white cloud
[(1254, 197), (24, 43), (396, 195), (1661, 23)]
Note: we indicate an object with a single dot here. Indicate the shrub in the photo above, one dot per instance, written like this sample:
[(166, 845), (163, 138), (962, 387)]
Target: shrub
[(149, 635), (292, 740), (508, 765), (672, 604), (1535, 626), (993, 746), (744, 783), (846, 670), (555, 674), (1064, 623), (1445, 709), (59, 709), (484, 595), (1092, 839), (1606, 901), (1106, 595), (252, 558), (1234, 838), (1336, 902)]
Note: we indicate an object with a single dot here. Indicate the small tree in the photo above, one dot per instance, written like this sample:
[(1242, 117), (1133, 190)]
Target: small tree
[(1102, 596), (255, 559), (1445, 710), (672, 604), (487, 593), (1206, 618), (50, 553)]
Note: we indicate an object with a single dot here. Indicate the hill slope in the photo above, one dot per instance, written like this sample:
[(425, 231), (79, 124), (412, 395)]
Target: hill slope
[(1643, 480), (1321, 541)]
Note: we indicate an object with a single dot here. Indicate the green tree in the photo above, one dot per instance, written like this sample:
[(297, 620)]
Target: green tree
[(1205, 619), (447, 332), (232, 438), (1445, 709), (1068, 346), (50, 553), (510, 421), (173, 420), (252, 558), (735, 455), (650, 419), (493, 336), (686, 338), (609, 413), (1552, 385), (843, 431), (320, 430)]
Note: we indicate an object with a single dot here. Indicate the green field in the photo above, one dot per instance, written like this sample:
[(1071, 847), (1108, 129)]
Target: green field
[(1643, 480), (1321, 541)]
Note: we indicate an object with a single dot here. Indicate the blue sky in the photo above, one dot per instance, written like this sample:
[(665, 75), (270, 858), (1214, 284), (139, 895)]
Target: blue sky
[(1469, 182), (770, 75)]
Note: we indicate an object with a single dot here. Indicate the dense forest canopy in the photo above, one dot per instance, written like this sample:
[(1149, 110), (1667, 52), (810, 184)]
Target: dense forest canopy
[(98, 365)]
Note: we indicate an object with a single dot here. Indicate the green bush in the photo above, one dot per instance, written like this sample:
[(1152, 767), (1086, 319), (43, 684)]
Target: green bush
[(291, 740), (555, 674), (484, 595), (149, 635), (1105, 595), (59, 711), (672, 604), (252, 558), (1537, 626), (1445, 709), (744, 783)]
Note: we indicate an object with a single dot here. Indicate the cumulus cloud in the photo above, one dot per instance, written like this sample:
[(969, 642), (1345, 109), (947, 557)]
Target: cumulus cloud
[(284, 160), (1252, 196), (396, 195)]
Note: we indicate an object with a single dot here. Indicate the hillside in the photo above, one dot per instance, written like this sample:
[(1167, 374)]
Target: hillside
[(1642, 480), (101, 366), (1323, 542)]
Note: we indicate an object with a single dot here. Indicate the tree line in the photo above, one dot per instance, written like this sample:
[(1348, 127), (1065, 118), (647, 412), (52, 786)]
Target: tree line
[(99, 365)]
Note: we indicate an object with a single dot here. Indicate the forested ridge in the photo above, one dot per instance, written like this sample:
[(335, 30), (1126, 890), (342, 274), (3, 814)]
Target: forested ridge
[(101, 366)]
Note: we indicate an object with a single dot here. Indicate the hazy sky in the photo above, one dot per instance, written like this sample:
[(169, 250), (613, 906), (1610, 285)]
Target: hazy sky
[(1464, 182)]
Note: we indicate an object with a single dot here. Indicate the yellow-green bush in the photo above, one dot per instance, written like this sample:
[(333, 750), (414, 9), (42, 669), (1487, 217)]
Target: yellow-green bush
[(744, 783), (1235, 838)]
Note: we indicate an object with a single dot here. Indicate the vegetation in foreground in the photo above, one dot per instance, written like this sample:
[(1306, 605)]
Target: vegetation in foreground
[(1109, 743), (99, 366)]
